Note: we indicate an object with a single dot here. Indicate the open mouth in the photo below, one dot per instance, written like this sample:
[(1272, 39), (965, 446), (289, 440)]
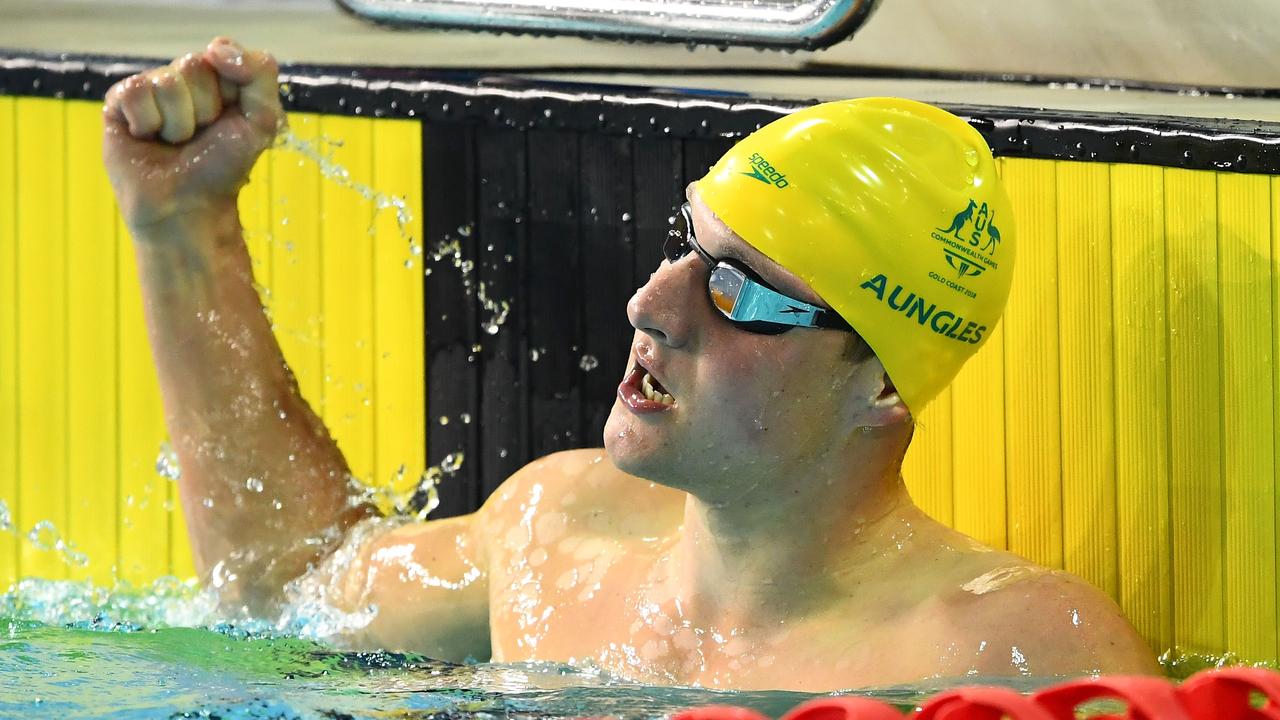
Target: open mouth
[(653, 389), (642, 392)]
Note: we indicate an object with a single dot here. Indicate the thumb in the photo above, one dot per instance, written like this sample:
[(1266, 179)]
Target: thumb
[(250, 78)]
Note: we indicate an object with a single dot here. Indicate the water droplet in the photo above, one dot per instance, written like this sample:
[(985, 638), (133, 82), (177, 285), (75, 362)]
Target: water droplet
[(254, 484), (44, 536), (444, 419), (588, 363), (167, 463), (452, 462)]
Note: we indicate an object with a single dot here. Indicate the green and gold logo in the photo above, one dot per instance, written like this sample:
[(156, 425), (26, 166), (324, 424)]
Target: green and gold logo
[(971, 241)]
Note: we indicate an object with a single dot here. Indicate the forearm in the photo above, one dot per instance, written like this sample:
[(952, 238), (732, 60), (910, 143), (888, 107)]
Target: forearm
[(264, 487)]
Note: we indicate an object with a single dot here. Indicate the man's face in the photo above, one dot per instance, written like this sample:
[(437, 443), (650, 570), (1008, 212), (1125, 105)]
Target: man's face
[(745, 405)]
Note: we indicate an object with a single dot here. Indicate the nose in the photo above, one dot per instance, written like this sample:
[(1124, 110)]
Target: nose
[(665, 308)]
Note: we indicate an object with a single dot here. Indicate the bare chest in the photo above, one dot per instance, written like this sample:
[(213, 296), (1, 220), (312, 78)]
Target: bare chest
[(613, 604)]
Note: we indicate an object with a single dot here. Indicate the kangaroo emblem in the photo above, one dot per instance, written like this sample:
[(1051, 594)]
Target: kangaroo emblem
[(993, 239), (961, 218)]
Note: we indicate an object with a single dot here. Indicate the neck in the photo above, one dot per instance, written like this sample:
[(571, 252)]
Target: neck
[(770, 554)]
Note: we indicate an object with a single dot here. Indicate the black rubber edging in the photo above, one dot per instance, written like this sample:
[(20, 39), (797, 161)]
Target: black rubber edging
[(502, 100)]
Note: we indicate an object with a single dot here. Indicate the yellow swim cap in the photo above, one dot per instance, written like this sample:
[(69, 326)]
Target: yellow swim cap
[(892, 211)]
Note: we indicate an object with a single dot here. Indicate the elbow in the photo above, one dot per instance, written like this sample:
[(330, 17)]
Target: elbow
[(250, 580)]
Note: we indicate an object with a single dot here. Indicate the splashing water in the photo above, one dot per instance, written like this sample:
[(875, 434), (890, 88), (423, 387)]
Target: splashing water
[(43, 536), (320, 151), (168, 602), (450, 249), (417, 501), (498, 311)]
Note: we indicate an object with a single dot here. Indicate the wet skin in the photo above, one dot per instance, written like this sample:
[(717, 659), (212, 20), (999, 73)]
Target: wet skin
[(753, 533)]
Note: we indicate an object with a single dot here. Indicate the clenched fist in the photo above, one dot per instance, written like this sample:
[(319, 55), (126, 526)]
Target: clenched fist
[(181, 139)]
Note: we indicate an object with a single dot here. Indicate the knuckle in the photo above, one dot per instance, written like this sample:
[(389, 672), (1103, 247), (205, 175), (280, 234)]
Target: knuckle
[(164, 81), (187, 65), (115, 94), (131, 87)]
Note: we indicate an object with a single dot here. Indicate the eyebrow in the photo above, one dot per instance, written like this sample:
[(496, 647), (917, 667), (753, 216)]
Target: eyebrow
[(731, 252)]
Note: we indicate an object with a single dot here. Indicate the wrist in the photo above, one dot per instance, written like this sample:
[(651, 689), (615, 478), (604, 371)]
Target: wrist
[(211, 225)]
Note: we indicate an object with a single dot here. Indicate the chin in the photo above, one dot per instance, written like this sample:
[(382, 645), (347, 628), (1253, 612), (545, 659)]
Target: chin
[(632, 447)]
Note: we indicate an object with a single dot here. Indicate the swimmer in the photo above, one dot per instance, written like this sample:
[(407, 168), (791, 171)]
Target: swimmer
[(746, 524)]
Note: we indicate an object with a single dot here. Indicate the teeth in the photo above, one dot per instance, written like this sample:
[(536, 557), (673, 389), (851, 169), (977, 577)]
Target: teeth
[(646, 384)]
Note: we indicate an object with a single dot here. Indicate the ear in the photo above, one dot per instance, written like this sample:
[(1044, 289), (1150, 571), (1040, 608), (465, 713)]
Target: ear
[(882, 406)]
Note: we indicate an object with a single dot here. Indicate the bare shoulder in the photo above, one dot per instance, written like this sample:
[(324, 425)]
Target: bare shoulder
[(1045, 622), (585, 484)]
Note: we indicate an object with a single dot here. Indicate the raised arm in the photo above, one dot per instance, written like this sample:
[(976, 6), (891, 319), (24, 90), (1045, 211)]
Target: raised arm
[(264, 487)]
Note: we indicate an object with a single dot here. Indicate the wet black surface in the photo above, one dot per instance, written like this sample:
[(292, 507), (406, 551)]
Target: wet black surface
[(503, 101)]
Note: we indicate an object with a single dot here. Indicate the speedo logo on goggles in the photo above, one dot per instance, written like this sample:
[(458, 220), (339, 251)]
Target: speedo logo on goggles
[(764, 172), (942, 322)]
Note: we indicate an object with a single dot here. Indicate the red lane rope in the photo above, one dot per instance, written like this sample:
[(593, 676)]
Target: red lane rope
[(1219, 694)]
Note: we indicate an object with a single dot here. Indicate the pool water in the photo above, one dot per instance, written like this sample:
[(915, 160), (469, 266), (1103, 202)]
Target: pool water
[(71, 650)]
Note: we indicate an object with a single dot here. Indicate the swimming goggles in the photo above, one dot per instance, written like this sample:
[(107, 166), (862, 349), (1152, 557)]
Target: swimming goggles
[(740, 295)]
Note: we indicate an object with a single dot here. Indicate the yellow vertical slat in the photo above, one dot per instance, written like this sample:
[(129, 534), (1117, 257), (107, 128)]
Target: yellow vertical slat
[(144, 521), (1087, 393), (1031, 366), (399, 371), (42, 328), (1142, 400), (9, 429), (1244, 260), (978, 441), (1275, 353), (255, 220), (91, 376), (347, 336), (296, 260), (927, 468), (1195, 417)]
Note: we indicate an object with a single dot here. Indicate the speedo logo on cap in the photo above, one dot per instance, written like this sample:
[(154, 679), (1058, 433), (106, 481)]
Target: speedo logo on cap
[(764, 172)]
